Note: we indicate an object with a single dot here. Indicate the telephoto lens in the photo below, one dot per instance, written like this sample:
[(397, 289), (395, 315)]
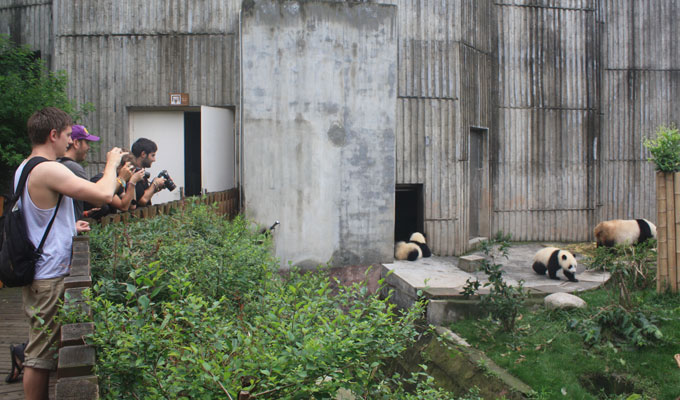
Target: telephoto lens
[(169, 184)]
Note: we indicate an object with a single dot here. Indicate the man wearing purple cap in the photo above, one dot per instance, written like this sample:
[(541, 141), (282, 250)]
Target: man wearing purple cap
[(76, 153)]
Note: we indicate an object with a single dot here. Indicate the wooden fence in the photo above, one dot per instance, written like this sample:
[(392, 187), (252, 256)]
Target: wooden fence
[(227, 204), (668, 231)]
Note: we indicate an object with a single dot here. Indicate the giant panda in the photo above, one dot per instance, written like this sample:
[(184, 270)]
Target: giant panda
[(407, 251), (552, 259), (419, 239), (624, 231)]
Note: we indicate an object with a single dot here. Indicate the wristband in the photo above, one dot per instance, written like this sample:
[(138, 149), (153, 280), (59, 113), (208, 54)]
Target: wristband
[(122, 183), (155, 186)]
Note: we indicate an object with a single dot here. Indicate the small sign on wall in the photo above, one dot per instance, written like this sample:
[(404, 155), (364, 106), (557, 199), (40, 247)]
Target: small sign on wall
[(179, 99)]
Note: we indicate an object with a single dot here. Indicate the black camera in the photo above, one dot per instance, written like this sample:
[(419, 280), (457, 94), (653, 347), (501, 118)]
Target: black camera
[(169, 184), (146, 173)]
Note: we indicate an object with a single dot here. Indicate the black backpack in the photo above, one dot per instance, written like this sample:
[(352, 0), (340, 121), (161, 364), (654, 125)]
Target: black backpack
[(18, 255)]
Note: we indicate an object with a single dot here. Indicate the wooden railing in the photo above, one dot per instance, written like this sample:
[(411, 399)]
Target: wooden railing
[(227, 204)]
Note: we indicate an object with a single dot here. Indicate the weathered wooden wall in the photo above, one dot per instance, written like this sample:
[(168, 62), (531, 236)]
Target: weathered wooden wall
[(122, 54), (567, 88), (447, 75), (640, 91), (29, 22), (544, 171)]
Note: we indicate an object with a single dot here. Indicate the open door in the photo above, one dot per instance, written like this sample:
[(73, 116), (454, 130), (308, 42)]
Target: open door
[(217, 149), (166, 129)]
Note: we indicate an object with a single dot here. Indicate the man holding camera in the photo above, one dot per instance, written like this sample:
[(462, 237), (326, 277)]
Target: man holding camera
[(144, 152), (75, 154)]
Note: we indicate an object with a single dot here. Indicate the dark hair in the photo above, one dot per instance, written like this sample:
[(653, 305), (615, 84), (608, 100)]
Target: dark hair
[(41, 123), (143, 145)]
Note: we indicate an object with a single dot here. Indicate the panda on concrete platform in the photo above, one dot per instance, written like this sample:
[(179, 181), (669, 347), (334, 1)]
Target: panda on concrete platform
[(419, 239), (624, 231), (407, 251), (552, 259)]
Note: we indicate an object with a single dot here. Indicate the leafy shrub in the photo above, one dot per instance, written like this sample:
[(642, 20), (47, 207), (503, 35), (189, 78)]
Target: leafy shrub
[(189, 306), (618, 325), (624, 320), (503, 301), (26, 85), (665, 148), (632, 268)]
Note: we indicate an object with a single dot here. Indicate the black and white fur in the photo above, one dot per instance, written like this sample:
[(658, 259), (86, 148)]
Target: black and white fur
[(407, 251), (419, 239), (552, 259), (624, 231)]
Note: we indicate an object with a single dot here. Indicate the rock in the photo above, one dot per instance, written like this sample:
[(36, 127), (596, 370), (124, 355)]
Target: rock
[(470, 263), (563, 301)]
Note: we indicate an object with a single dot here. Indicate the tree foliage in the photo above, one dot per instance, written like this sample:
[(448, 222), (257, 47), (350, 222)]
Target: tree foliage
[(26, 85), (192, 306), (665, 149)]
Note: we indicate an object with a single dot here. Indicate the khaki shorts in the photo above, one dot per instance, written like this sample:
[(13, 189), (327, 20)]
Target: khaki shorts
[(41, 301)]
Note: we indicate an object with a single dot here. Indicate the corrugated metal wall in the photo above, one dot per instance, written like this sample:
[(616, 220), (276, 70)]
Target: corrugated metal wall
[(640, 91), (121, 54), (29, 22), (567, 88), (446, 65), (544, 173)]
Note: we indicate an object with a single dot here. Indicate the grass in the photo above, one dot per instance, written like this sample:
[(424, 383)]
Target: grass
[(556, 363)]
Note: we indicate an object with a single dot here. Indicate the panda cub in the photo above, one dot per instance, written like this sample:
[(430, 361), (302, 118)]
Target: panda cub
[(620, 231), (419, 239), (407, 251), (552, 259)]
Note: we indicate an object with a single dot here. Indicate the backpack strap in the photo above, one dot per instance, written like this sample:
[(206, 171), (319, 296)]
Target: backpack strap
[(30, 164), (49, 226)]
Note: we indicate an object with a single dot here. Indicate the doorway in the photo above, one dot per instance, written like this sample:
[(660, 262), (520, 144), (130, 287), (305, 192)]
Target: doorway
[(408, 216), (195, 146), (478, 186)]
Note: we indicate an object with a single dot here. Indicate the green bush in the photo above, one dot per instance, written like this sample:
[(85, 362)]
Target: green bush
[(665, 149), (26, 86), (625, 320), (191, 306), (504, 301)]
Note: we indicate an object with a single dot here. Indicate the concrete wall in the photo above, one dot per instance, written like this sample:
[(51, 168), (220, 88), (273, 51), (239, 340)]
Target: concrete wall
[(319, 102)]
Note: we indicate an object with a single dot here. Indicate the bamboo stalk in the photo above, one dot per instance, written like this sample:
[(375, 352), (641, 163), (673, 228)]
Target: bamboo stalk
[(674, 274), (662, 253), (670, 228)]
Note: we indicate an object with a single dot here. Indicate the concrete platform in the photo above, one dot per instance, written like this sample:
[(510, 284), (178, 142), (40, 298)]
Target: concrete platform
[(441, 281)]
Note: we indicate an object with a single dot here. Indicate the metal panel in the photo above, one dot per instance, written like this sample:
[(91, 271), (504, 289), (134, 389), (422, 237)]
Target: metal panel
[(641, 34), (544, 171), (123, 71), (148, 17), (29, 22)]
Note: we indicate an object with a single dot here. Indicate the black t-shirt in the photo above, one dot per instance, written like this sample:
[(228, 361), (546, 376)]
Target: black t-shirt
[(140, 188), (106, 209)]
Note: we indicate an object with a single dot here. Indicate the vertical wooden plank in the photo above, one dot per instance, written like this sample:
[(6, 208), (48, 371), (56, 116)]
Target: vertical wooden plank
[(674, 276), (670, 228), (662, 250)]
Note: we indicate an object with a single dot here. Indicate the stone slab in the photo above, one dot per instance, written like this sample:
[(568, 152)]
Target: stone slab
[(470, 263), (74, 295), (79, 388), (80, 269), (80, 258), (74, 334), (80, 281), (441, 280), (76, 361)]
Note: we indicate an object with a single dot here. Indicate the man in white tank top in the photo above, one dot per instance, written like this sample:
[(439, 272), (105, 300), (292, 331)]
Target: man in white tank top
[(49, 130)]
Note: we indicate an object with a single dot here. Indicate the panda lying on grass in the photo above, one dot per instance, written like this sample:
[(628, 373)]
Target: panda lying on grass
[(412, 250), (624, 231)]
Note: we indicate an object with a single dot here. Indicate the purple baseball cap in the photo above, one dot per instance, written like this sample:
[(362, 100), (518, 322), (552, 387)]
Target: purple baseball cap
[(80, 132)]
